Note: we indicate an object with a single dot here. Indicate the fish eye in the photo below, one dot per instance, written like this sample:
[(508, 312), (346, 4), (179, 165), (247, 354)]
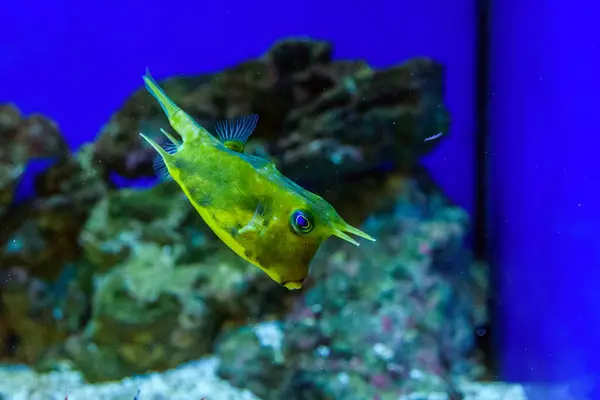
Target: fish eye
[(302, 221)]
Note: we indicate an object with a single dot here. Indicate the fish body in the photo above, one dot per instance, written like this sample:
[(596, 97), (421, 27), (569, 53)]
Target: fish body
[(263, 216)]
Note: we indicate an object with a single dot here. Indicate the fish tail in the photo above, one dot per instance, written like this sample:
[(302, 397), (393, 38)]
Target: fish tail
[(168, 106), (182, 122)]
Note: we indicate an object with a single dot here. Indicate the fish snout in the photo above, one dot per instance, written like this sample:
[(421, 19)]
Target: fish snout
[(293, 285)]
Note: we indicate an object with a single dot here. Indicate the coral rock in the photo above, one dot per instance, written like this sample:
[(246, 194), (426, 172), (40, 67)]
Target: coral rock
[(321, 120), (28, 139), (161, 286), (385, 319)]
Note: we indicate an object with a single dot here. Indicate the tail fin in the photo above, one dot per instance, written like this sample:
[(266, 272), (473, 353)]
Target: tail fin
[(168, 106), (183, 123)]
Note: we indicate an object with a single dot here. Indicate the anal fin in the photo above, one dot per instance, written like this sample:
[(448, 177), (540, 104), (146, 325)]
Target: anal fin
[(160, 169), (171, 147)]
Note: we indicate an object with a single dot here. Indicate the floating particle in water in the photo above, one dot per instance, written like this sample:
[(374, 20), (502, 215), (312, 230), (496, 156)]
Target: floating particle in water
[(434, 137)]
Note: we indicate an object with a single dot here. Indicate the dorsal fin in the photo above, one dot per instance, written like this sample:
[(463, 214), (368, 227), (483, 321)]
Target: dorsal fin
[(235, 132)]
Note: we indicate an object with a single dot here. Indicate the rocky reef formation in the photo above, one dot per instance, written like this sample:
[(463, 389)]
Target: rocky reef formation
[(163, 285), (29, 138), (379, 321), (42, 212), (321, 121), (115, 282)]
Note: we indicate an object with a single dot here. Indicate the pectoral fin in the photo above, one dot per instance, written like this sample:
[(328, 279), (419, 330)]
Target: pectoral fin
[(257, 224)]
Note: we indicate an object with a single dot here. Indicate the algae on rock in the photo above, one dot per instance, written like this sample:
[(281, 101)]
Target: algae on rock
[(163, 285), (144, 317)]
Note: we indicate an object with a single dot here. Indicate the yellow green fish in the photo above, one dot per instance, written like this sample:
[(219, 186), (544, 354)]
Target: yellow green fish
[(260, 214)]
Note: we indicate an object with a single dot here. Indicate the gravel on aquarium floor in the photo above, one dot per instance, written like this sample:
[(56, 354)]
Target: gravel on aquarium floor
[(492, 391), (192, 381), (477, 391)]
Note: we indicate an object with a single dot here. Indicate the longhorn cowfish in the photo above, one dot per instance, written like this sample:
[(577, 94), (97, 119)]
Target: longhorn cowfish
[(264, 217)]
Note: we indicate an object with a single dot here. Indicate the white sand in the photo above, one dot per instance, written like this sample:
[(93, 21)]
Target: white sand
[(191, 381), (194, 381)]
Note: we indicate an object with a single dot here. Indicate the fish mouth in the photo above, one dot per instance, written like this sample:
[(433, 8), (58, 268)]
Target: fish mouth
[(293, 285)]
